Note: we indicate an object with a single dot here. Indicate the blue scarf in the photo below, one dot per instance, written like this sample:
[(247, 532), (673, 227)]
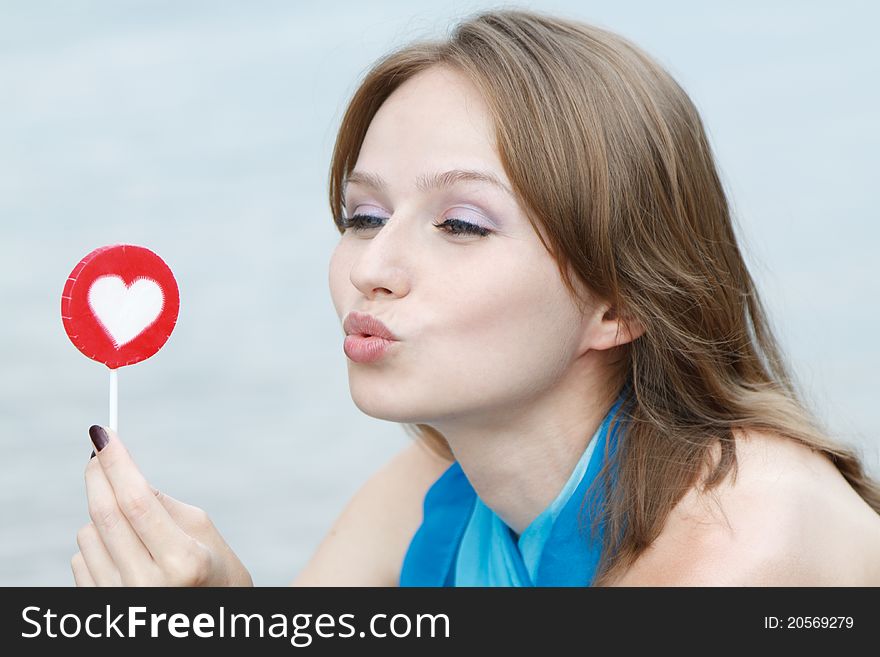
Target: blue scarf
[(462, 542)]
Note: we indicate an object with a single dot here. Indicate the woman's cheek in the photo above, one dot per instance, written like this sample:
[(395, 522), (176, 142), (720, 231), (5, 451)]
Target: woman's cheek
[(338, 275)]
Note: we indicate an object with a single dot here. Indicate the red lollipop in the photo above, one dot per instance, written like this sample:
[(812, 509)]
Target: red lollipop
[(119, 306)]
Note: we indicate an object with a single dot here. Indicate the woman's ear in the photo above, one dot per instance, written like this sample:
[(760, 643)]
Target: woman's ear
[(630, 328), (605, 328)]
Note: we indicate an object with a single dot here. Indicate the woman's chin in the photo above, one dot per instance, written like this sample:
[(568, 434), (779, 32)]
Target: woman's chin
[(387, 407), (380, 406)]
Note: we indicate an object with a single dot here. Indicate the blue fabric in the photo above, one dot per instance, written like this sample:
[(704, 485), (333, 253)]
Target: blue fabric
[(462, 542)]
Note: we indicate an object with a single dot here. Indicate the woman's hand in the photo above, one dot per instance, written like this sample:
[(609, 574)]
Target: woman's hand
[(141, 537)]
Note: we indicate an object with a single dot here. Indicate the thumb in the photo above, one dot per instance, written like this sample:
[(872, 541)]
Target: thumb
[(183, 514)]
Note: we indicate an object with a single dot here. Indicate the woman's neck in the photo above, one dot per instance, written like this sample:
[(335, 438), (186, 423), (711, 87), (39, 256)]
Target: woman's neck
[(519, 459)]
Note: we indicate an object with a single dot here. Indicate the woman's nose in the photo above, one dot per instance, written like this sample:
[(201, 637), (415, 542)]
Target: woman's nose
[(384, 260)]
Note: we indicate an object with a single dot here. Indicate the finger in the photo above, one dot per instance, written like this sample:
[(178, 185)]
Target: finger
[(81, 575), (128, 553), (98, 560), (146, 515)]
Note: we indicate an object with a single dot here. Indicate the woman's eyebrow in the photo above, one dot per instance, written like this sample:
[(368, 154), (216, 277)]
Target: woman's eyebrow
[(427, 182)]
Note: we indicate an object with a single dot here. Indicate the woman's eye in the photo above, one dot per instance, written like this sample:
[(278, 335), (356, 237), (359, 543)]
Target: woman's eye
[(462, 227), (453, 226), (359, 222)]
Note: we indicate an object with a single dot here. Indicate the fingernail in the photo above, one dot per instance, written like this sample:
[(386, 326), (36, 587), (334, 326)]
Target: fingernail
[(92, 456), (99, 436)]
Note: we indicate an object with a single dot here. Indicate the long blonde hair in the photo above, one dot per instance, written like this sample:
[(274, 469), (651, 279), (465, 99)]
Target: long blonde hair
[(608, 155)]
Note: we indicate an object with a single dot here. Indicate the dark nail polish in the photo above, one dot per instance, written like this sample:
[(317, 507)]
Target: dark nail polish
[(99, 436), (92, 456)]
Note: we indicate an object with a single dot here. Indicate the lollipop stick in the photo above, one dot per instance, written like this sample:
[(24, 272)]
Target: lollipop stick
[(114, 400)]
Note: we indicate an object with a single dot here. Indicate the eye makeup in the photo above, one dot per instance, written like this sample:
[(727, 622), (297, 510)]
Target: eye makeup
[(360, 222)]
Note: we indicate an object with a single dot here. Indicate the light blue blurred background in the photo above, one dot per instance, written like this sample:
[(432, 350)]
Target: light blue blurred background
[(203, 130)]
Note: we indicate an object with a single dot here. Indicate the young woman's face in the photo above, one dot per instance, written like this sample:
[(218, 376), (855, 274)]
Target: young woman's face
[(485, 323)]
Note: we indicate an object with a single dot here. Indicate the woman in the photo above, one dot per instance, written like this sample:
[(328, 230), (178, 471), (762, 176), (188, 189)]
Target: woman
[(538, 276)]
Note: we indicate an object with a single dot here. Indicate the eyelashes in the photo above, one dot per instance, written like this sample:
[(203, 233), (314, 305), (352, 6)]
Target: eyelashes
[(359, 222)]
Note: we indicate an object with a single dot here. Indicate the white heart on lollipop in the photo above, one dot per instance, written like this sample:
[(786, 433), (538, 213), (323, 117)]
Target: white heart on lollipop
[(125, 311)]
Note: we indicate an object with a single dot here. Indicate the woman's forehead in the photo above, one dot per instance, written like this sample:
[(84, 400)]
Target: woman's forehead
[(440, 105)]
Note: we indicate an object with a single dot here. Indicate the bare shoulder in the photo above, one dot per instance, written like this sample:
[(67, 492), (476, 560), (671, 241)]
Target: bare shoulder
[(786, 517), (367, 542)]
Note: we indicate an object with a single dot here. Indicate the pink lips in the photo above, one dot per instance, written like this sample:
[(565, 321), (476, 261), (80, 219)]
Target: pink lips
[(366, 349), (367, 339)]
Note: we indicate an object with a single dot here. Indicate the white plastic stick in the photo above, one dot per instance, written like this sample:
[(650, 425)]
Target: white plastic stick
[(114, 400)]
